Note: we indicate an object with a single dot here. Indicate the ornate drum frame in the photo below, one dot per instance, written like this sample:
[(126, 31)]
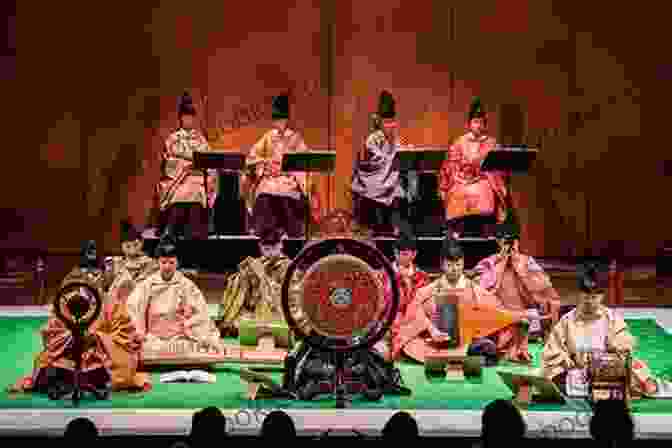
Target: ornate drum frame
[(64, 312), (342, 295)]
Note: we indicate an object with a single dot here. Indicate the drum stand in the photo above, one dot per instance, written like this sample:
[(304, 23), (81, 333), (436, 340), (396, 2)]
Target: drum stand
[(343, 398), (78, 389)]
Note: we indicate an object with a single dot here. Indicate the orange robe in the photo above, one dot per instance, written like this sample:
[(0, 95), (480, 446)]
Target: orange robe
[(115, 345)]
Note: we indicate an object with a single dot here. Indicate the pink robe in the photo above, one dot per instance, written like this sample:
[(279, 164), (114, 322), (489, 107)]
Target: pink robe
[(265, 175), (413, 335), (179, 182), (519, 283), (409, 283), (465, 189)]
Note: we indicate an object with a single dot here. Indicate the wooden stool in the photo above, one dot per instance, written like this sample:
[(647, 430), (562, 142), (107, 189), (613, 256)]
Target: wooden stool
[(446, 363)]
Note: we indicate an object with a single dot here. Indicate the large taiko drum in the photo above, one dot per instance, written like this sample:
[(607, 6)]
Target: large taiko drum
[(348, 294)]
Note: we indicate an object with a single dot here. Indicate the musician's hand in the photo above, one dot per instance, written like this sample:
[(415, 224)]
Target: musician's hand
[(438, 336)]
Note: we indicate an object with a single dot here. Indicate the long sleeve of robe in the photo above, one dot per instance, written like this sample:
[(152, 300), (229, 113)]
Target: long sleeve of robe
[(561, 352), (465, 189), (255, 292), (264, 167), (171, 314), (376, 176), (130, 272), (179, 182)]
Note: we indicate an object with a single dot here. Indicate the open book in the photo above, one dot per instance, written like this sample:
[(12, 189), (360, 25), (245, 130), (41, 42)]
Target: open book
[(191, 376)]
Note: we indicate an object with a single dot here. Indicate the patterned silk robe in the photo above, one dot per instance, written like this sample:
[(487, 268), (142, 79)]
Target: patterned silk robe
[(519, 284), (254, 292), (375, 175), (95, 278), (465, 189), (114, 344), (409, 281), (179, 182), (129, 272), (608, 332), (413, 335), (265, 175), (172, 315)]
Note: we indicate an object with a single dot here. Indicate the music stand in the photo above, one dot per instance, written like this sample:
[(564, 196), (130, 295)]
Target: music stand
[(309, 162), (228, 161), (421, 159), (511, 159)]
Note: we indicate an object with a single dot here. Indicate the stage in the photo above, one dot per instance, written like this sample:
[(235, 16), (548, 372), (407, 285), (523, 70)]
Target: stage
[(448, 408)]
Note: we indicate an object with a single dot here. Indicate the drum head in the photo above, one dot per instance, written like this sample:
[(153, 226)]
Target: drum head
[(342, 296), (77, 305)]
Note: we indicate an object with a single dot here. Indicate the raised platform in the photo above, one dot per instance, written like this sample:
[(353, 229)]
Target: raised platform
[(451, 413), (224, 253)]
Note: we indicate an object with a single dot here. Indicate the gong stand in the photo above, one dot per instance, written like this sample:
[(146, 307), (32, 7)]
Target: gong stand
[(77, 298), (340, 280)]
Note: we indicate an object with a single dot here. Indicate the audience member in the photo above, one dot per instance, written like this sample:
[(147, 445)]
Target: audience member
[(278, 425), (501, 423), (81, 429), (180, 444), (612, 424), (401, 425), (207, 425)]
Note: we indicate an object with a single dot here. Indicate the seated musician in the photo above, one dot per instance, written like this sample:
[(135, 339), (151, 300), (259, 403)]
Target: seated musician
[(416, 331), (520, 284), (409, 280), (275, 198), (133, 266), (179, 183), (470, 195), (592, 327), (88, 270), (376, 188), (112, 343), (170, 311), (254, 291)]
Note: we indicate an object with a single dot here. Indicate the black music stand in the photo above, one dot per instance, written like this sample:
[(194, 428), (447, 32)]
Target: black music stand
[(422, 159), (309, 162), (221, 161), (514, 159)]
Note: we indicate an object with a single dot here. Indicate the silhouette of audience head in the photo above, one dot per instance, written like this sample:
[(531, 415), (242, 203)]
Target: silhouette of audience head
[(81, 429), (401, 425), (502, 422), (207, 425), (612, 423), (278, 424)]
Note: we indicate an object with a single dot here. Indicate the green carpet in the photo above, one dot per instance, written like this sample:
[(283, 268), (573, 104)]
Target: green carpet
[(20, 338)]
